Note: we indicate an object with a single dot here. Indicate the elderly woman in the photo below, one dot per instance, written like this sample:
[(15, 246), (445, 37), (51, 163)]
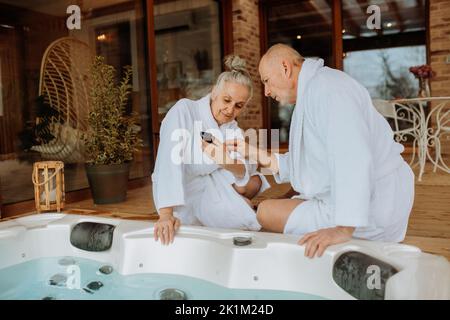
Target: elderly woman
[(196, 181)]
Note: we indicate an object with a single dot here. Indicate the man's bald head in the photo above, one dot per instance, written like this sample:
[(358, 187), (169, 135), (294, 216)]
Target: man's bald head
[(279, 52), (279, 69)]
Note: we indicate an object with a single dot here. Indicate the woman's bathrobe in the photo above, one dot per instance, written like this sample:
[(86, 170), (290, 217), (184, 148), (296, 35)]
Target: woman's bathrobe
[(185, 178), (343, 160)]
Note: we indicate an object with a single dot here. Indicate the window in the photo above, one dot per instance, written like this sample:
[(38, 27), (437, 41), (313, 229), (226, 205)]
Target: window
[(384, 72), (380, 58)]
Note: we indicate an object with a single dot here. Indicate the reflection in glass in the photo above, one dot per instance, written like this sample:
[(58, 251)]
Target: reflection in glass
[(114, 29), (188, 52)]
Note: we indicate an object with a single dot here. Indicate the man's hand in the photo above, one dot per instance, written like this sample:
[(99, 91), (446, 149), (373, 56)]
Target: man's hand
[(254, 154), (165, 228), (318, 241)]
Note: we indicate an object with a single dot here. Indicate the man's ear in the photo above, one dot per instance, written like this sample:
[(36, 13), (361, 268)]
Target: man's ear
[(287, 69)]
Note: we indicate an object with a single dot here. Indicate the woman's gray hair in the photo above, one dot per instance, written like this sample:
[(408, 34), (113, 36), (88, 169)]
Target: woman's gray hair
[(236, 72)]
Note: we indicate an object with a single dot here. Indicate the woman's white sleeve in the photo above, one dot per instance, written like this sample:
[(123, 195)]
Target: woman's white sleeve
[(244, 180), (168, 184)]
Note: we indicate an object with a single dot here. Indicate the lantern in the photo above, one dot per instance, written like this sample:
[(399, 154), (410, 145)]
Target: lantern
[(48, 180)]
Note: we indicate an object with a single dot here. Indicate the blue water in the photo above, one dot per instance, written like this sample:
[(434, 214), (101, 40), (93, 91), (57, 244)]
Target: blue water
[(83, 281)]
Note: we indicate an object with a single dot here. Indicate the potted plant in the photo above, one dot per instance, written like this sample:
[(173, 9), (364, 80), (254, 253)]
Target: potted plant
[(112, 136)]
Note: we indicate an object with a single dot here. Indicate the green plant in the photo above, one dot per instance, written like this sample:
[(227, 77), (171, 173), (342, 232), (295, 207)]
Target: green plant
[(113, 136), (39, 130)]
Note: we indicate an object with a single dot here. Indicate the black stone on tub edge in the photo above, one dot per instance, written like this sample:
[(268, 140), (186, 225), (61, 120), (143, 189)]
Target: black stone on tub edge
[(92, 236)]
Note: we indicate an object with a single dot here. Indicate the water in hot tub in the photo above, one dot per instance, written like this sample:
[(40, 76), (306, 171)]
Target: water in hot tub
[(77, 278)]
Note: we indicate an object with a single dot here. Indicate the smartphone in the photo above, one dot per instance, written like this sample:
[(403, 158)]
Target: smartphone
[(206, 136)]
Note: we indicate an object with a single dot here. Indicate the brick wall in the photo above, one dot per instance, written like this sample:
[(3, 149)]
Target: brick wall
[(440, 46), (246, 45)]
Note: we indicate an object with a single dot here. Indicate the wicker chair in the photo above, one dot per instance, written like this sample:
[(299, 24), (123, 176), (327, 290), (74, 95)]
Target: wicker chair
[(64, 83)]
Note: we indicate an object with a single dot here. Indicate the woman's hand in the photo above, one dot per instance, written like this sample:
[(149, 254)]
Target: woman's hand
[(165, 228), (319, 240), (217, 151)]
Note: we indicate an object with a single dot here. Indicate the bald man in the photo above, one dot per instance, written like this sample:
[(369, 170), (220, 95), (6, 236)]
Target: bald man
[(342, 158)]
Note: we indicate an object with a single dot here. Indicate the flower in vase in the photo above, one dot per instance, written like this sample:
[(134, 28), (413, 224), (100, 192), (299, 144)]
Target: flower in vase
[(422, 72)]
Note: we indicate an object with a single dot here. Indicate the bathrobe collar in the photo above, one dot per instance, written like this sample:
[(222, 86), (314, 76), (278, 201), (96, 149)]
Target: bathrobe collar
[(309, 69)]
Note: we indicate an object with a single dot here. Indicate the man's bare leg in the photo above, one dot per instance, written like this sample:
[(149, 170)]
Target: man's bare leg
[(273, 214), (251, 189)]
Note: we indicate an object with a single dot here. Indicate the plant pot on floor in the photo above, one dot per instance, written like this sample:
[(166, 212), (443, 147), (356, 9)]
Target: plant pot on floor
[(108, 182)]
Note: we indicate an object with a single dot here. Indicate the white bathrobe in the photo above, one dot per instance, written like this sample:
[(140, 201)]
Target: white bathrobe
[(200, 191), (343, 160)]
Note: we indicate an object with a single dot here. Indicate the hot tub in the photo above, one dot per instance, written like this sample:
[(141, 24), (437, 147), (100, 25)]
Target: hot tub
[(41, 257)]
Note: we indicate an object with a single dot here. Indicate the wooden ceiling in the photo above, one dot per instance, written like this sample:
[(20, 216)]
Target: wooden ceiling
[(313, 18)]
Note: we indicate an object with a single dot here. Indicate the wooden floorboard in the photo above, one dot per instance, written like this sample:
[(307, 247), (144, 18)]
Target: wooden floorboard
[(429, 223)]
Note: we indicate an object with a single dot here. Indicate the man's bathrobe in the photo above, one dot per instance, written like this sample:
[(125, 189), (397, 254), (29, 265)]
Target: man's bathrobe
[(343, 160), (185, 178)]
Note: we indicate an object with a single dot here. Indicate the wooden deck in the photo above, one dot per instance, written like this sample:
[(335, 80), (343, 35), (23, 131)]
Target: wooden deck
[(429, 225)]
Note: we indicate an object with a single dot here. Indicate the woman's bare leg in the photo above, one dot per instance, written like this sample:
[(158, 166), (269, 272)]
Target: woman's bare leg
[(273, 214), (251, 189)]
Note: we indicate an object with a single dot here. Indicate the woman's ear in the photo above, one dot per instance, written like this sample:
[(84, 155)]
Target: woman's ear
[(214, 93)]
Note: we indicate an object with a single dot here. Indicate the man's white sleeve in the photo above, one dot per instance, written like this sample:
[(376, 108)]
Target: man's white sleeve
[(349, 156)]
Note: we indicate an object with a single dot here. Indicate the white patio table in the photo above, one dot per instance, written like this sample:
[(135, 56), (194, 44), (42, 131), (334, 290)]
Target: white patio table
[(427, 130)]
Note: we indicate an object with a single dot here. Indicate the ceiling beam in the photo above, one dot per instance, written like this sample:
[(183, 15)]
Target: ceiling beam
[(322, 8)]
